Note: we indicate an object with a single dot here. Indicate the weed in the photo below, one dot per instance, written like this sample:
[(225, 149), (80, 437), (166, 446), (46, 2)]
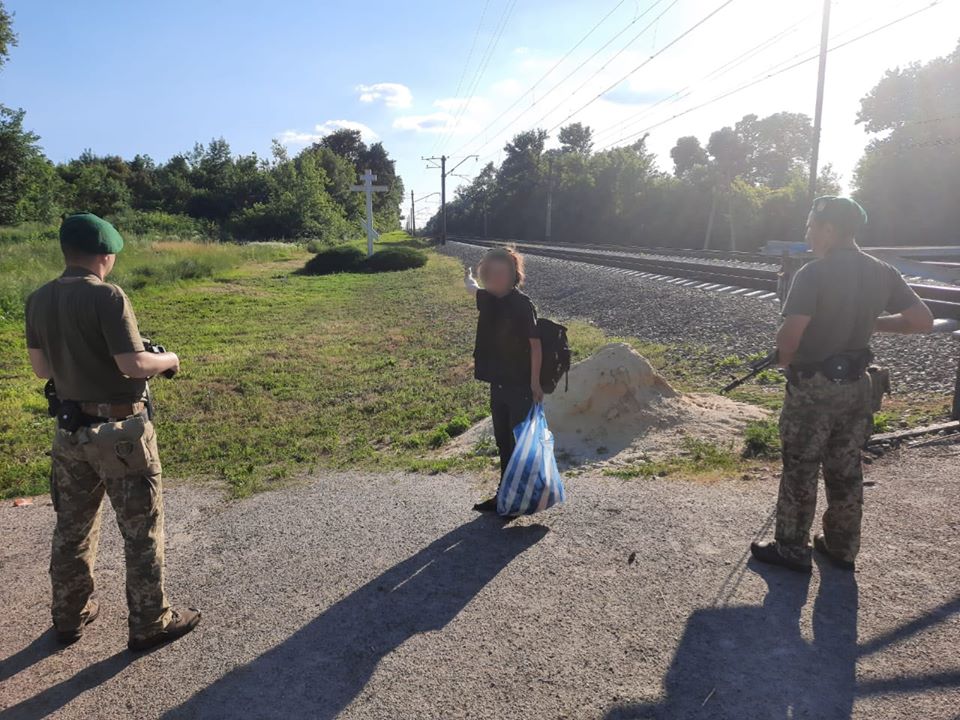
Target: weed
[(762, 439), (882, 422), (697, 457)]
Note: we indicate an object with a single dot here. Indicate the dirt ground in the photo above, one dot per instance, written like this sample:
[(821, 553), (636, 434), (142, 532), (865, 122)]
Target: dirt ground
[(616, 409), (385, 597)]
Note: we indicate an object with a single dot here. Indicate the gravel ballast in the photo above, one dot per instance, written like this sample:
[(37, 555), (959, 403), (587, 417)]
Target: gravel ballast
[(660, 312), (385, 597)]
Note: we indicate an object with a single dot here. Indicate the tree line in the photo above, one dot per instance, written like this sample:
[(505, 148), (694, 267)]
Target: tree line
[(748, 184), (208, 191)]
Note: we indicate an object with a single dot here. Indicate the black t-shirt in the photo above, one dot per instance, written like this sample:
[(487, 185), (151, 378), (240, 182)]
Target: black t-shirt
[(504, 329)]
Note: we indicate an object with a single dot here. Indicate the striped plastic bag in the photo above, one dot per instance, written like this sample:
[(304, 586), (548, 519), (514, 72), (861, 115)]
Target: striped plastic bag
[(532, 480)]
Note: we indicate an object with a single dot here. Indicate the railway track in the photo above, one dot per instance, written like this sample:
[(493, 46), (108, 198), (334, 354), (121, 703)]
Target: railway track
[(718, 270)]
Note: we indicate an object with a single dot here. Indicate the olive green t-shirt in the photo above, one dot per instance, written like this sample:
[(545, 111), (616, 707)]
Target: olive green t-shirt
[(80, 323), (844, 293)]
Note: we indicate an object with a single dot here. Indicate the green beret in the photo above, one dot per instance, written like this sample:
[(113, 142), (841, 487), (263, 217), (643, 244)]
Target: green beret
[(843, 212), (90, 234)]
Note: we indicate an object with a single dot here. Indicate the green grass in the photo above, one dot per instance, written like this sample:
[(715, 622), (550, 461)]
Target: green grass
[(698, 457), (761, 439), (283, 373), (30, 256)]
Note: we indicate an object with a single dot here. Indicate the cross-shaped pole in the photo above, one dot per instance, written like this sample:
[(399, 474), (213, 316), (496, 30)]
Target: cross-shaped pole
[(369, 189)]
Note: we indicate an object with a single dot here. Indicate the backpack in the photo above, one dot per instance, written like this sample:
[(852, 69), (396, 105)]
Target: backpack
[(556, 354)]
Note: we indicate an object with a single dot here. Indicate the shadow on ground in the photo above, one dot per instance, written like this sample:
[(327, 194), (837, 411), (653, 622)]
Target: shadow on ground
[(752, 662), (319, 670), (58, 696)]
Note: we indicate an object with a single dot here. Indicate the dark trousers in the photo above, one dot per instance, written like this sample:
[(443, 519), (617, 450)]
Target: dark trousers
[(509, 406)]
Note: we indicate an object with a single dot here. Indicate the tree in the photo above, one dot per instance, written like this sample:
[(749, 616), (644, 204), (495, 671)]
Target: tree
[(775, 147), (8, 38), (347, 144), (297, 206), (687, 154), (18, 153), (908, 179), (576, 138)]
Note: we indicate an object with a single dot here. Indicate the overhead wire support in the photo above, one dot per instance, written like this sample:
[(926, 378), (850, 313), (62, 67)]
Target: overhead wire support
[(442, 167)]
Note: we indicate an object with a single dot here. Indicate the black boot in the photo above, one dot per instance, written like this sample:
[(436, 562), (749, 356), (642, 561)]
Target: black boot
[(771, 552)]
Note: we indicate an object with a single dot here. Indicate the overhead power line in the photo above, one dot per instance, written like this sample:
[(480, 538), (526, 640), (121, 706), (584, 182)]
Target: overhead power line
[(473, 45), (771, 75), (657, 54), (607, 63), (562, 81), (716, 73), (481, 69), (548, 72)]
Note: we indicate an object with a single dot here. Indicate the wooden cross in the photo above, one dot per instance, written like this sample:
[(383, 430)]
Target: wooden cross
[(369, 189)]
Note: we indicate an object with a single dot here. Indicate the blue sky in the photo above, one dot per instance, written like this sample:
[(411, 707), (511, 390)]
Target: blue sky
[(124, 77)]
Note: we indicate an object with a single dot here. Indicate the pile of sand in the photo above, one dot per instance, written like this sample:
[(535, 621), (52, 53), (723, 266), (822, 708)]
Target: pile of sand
[(618, 408)]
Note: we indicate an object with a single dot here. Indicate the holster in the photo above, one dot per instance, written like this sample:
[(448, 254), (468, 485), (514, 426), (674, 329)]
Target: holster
[(879, 385)]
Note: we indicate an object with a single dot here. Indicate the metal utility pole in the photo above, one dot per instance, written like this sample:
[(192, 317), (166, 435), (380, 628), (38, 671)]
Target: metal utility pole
[(413, 214), (442, 167), (818, 116), (549, 198)]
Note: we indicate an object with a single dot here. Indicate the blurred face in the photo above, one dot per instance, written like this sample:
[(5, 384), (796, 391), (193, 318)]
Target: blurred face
[(498, 276), (109, 262)]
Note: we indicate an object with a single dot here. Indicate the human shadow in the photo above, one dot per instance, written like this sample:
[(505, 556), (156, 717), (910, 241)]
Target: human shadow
[(58, 696), (753, 662), (322, 667), (42, 646)]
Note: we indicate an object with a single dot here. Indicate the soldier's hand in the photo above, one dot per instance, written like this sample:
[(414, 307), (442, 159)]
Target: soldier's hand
[(174, 367)]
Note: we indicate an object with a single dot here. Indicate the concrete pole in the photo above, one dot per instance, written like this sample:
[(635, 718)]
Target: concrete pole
[(818, 115)]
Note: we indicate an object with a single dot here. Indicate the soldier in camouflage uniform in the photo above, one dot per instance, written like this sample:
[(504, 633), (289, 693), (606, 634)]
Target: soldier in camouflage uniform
[(830, 314), (82, 333)]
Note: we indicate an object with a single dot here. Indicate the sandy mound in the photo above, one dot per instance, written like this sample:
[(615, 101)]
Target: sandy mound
[(618, 408)]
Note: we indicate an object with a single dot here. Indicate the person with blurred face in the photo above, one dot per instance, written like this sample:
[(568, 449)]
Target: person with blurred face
[(507, 352)]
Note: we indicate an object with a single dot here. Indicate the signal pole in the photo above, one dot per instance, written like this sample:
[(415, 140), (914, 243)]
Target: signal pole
[(442, 167), (549, 198), (413, 213), (818, 116)]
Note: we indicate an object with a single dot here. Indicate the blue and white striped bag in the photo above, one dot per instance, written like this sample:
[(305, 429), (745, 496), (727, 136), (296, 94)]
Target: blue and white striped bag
[(532, 480)]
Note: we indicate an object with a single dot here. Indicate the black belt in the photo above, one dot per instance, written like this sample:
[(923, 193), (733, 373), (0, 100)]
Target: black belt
[(843, 367)]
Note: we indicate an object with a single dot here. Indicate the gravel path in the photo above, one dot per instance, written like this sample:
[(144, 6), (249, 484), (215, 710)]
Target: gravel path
[(385, 597), (657, 311)]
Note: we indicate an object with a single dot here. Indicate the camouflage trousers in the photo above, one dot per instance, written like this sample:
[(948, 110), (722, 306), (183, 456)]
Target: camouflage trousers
[(120, 460), (823, 424)]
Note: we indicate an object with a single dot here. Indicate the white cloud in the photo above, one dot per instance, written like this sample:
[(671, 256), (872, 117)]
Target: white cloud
[(433, 123), (299, 137), (393, 95)]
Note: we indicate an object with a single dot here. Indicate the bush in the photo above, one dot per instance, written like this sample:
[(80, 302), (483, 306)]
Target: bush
[(342, 258), (152, 223), (170, 271), (762, 439), (395, 258), (458, 426)]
